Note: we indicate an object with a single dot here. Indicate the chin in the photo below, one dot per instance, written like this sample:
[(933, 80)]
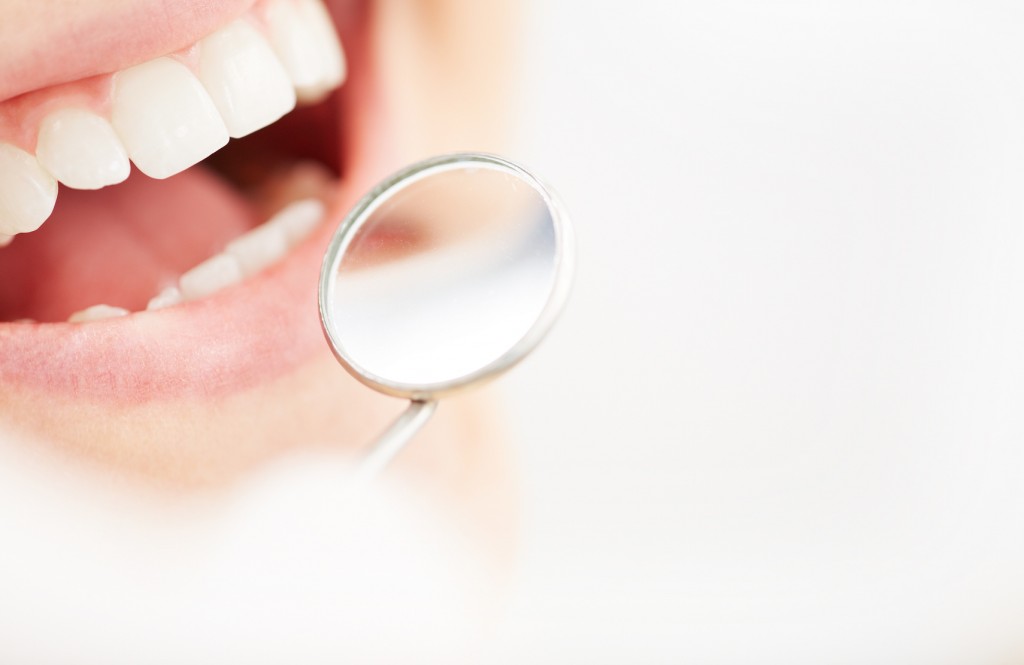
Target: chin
[(168, 184)]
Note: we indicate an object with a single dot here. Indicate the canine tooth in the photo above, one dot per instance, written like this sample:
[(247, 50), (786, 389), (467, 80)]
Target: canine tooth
[(297, 220), (165, 117), (303, 36), (5, 239), (27, 192), (258, 248), (81, 150), (167, 298), (245, 79), (210, 276), (97, 312)]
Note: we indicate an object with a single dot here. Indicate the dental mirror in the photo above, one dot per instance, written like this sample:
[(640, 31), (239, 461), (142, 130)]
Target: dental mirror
[(444, 276)]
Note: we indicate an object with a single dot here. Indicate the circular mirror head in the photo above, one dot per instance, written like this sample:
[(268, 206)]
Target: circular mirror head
[(447, 273)]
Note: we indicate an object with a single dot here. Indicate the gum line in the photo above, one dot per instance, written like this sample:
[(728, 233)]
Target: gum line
[(21, 116), (165, 114)]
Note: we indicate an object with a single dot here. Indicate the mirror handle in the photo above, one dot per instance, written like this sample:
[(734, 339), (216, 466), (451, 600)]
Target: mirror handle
[(393, 440)]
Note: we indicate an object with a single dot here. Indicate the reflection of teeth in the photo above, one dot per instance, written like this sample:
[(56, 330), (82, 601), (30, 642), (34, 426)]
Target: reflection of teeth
[(97, 312), (303, 36), (27, 192), (210, 276), (247, 82), (165, 118), (167, 298), (80, 149)]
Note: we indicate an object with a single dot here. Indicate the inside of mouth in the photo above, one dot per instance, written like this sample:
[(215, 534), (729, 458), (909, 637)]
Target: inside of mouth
[(122, 245)]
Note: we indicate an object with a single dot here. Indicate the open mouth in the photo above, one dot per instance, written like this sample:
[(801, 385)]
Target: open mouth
[(192, 271), (167, 211)]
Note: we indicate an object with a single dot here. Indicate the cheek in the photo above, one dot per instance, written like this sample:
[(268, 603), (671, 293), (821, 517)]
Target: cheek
[(460, 458), (447, 73)]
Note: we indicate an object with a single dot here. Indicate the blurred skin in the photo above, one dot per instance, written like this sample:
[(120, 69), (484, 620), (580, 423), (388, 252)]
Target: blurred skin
[(435, 75)]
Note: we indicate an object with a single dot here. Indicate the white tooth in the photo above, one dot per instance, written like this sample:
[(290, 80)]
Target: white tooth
[(245, 79), (165, 117), (269, 242), (27, 192), (97, 312), (303, 36), (167, 298), (210, 276), (258, 248), (81, 150), (5, 239), (297, 220)]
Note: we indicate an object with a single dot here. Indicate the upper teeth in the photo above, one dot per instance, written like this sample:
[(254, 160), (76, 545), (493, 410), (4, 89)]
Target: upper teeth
[(167, 116), (27, 191), (246, 80), (304, 38), (80, 149)]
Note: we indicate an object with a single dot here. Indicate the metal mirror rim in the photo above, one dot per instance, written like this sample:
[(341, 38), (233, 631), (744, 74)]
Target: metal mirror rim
[(354, 220)]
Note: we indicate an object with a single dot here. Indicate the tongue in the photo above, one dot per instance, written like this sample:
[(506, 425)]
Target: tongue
[(119, 246)]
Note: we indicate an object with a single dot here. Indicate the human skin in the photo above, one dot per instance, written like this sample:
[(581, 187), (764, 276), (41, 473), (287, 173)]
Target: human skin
[(136, 404)]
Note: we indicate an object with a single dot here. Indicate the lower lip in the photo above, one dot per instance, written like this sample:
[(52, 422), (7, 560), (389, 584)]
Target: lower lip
[(227, 342)]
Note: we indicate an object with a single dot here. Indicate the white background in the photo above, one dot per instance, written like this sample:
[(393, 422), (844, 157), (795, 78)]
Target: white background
[(781, 421)]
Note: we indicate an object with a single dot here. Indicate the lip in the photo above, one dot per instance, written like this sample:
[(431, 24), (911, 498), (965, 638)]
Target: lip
[(237, 338), (226, 342), (196, 399), (103, 37)]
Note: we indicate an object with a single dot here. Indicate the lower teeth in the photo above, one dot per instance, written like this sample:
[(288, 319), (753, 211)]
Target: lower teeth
[(98, 312), (167, 298), (244, 257)]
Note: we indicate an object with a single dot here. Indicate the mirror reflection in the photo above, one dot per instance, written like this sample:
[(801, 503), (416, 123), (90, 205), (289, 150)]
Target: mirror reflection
[(445, 274)]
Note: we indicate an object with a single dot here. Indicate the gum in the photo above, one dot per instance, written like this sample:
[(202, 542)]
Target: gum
[(48, 43), (21, 116)]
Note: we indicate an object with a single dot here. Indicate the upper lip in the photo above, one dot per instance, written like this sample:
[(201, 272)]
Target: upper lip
[(102, 37), (220, 344)]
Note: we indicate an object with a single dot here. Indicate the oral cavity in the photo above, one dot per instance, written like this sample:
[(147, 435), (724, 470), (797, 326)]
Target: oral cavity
[(246, 255), (167, 114), (243, 257), (251, 252)]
